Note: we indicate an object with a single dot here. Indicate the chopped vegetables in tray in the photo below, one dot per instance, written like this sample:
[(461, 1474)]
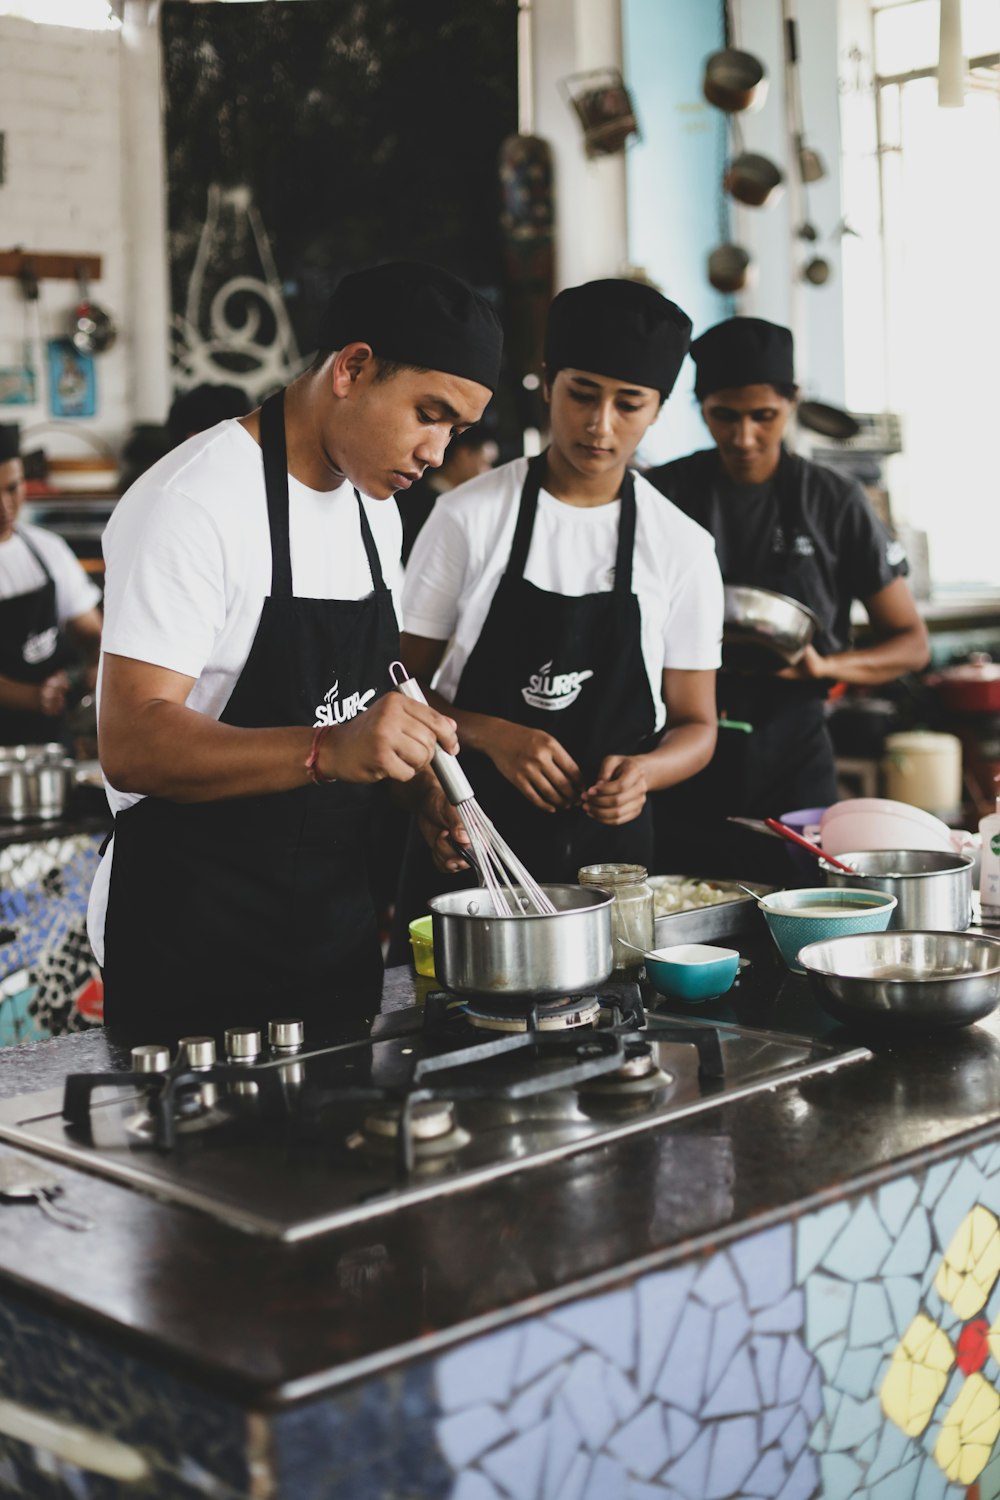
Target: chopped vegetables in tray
[(675, 893)]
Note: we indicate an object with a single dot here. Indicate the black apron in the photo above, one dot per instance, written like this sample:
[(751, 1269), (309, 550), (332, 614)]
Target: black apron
[(249, 907), (774, 753), (572, 666), (32, 647)]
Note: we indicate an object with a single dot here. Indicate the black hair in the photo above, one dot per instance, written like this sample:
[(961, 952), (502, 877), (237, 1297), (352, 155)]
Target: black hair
[(202, 407)]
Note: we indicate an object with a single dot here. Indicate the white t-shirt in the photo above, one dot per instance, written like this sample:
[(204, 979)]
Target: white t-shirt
[(188, 566), (20, 572), (462, 551)]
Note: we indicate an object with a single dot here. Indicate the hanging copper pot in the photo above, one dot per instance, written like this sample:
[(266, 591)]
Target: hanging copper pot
[(753, 179), (729, 268), (735, 81)]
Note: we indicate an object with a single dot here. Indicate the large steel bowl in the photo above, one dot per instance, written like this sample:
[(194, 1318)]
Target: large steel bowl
[(906, 981), (763, 630), (477, 952), (933, 890)]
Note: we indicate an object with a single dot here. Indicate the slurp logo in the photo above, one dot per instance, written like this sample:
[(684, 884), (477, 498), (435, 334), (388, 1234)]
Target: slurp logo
[(552, 691), (337, 710)]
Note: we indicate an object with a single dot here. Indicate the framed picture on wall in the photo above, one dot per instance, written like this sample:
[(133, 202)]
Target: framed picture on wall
[(72, 381)]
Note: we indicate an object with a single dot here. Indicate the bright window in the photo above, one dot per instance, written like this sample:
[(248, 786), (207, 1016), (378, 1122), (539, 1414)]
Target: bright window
[(85, 15), (941, 209)]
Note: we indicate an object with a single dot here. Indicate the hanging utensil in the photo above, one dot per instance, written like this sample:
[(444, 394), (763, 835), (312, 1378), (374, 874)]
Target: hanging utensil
[(92, 329), (796, 838), (734, 81), (729, 268), (829, 421)]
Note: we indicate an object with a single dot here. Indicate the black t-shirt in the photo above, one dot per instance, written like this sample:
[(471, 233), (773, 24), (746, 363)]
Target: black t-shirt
[(840, 551)]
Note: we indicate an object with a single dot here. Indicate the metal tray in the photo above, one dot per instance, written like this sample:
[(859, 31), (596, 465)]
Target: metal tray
[(707, 924)]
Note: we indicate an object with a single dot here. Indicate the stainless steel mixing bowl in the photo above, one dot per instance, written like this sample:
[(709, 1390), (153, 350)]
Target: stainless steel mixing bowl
[(764, 628), (906, 981)]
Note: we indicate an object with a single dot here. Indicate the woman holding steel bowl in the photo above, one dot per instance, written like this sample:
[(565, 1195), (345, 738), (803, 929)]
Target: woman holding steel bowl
[(795, 528)]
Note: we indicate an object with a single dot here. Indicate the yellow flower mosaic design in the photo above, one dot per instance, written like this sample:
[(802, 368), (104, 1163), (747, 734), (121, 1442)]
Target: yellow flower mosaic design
[(925, 1357)]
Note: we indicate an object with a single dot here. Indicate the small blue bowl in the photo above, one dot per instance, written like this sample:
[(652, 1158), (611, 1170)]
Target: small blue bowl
[(692, 971), (797, 918)]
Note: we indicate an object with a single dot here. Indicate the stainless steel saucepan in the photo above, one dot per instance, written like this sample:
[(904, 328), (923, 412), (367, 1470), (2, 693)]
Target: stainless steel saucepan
[(528, 956), (933, 890), (34, 788)]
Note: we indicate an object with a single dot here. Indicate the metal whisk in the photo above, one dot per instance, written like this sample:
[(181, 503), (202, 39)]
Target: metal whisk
[(513, 891)]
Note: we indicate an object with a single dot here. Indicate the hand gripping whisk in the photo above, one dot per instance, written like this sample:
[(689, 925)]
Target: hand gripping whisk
[(513, 891)]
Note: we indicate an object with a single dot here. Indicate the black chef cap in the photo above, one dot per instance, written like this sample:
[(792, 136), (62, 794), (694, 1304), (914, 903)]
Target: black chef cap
[(10, 441), (414, 314), (623, 330), (742, 351)]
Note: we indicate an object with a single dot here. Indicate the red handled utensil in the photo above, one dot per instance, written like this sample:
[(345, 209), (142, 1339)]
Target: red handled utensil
[(783, 831)]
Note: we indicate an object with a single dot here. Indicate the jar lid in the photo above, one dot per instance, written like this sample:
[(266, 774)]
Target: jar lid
[(612, 875)]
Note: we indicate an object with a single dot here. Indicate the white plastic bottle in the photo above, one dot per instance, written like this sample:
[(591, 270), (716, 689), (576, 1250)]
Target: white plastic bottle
[(989, 875)]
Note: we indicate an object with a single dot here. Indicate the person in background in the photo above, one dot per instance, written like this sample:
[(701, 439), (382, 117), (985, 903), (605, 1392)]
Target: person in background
[(570, 621), (49, 615), (469, 454), (202, 407), (781, 523), (245, 703)]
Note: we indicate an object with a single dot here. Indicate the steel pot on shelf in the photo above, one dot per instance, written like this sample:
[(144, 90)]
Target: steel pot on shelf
[(34, 789)]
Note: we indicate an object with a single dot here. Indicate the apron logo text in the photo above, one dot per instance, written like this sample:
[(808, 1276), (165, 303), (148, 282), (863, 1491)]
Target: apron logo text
[(552, 692), (40, 647), (331, 712)]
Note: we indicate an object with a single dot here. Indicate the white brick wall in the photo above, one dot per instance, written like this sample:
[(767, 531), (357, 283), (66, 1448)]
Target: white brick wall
[(61, 111)]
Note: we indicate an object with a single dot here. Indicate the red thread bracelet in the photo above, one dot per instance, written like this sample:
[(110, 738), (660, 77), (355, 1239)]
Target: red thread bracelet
[(312, 767)]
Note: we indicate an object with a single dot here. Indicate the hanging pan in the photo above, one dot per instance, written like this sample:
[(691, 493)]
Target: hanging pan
[(92, 329), (734, 81)]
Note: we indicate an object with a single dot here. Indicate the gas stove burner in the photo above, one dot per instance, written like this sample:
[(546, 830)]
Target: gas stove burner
[(433, 1131), (637, 1082), (548, 1015), (196, 1110)]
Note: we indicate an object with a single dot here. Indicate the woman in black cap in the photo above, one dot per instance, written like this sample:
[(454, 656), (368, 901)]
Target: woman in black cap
[(245, 708), (49, 614), (791, 526), (572, 621)]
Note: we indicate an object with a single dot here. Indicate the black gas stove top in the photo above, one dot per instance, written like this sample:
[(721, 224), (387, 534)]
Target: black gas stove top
[(288, 1140)]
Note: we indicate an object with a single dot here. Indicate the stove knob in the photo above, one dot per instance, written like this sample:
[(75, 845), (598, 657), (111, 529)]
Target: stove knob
[(242, 1043), (151, 1058), (286, 1035), (198, 1051)]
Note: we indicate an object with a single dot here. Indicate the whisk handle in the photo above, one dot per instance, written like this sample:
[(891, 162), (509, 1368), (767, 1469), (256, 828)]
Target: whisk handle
[(454, 782)]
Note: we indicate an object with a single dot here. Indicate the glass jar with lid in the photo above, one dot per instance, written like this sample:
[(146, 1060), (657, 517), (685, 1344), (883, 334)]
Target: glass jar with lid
[(631, 913)]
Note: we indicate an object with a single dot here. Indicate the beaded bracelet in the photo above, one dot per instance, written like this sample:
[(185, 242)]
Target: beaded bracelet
[(312, 760)]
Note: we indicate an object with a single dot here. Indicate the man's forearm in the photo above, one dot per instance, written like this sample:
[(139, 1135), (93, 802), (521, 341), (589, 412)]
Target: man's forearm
[(171, 751)]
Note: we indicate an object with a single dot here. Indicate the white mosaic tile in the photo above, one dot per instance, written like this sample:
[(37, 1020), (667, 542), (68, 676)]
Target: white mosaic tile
[(856, 1421), (904, 1299), (734, 1454), (935, 1182), (828, 1308), (661, 1300), (767, 1478), (607, 1480), (764, 1265), (766, 1353), (862, 1246), (716, 1283), (898, 1486), (801, 1482), (857, 1373), (773, 1423), (542, 1348), (480, 1371), (893, 1448), (474, 1486), (682, 1381), (604, 1323), (932, 1484), (784, 1317), (563, 1449), (729, 1330), (575, 1482), (622, 1394), (529, 1405), (586, 1400), (814, 1236), (688, 1474), (871, 1317), (517, 1465), (841, 1476), (911, 1252), (681, 1431), (736, 1392), (642, 1445), (895, 1201), (795, 1437), (467, 1434), (964, 1188)]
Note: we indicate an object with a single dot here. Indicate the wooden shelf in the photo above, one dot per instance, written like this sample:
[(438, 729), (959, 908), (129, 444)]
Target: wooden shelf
[(47, 265)]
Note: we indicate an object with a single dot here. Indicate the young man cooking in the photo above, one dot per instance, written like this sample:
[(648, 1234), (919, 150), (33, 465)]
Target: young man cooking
[(573, 622), (245, 708), (785, 524), (48, 607)]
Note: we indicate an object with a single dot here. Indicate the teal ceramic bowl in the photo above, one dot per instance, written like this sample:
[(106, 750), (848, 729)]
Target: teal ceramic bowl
[(692, 971), (797, 918)]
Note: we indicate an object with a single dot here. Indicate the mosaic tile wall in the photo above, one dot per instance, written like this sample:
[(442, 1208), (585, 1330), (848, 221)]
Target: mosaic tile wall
[(853, 1355), (49, 980)]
